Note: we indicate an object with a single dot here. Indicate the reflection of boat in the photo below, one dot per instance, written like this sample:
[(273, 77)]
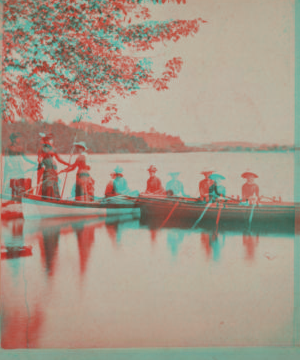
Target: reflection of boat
[(187, 211), (13, 252), (11, 210), (36, 207), (228, 226)]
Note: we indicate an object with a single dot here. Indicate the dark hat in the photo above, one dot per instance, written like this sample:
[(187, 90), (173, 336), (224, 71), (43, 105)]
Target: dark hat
[(152, 168), (14, 136), (216, 177), (249, 174)]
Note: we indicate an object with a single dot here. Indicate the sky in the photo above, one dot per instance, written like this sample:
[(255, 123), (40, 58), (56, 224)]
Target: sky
[(237, 79)]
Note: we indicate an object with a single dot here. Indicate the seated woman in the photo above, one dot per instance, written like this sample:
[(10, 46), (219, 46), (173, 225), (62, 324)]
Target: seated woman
[(154, 185), (205, 184), (174, 187), (216, 190), (84, 182), (109, 190), (120, 186), (250, 190)]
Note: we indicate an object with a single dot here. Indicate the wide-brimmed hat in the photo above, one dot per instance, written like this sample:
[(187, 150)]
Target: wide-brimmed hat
[(216, 177), (174, 173), (14, 136), (118, 170), (152, 168), (249, 174), (80, 144)]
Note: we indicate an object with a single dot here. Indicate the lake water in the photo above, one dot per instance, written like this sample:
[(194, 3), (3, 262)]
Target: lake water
[(114, 282)]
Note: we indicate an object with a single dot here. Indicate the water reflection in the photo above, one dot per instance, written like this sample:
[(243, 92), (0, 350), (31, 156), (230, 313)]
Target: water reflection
[(85, 241), (121, 287), (212, 244), (250, 243), (174, 239), (49, 249)]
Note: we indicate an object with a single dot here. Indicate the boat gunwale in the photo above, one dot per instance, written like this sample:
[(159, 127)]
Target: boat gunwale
[(71, 203)]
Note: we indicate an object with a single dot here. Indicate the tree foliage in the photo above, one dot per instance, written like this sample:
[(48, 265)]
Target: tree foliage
[(74, 50)]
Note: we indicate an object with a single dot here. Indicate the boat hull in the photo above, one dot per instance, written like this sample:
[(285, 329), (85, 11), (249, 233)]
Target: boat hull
[(36, 208), (189, 211)]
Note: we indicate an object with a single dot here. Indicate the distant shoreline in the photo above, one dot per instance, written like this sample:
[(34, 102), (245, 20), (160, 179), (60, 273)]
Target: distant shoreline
[(102, 140), (177, 152)]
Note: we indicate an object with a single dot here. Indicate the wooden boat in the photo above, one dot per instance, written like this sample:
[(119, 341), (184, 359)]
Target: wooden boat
[(172, 209), (35, 207)]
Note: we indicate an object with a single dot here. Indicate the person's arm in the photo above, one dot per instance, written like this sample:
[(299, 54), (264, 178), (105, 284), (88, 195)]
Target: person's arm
[(69, 168), (28, 160), (58, 158)]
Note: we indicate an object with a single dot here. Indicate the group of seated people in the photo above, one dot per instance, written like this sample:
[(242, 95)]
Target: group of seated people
[(210, 187)]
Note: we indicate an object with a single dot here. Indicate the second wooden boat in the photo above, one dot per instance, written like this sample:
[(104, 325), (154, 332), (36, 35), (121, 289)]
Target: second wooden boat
[(35, 207)]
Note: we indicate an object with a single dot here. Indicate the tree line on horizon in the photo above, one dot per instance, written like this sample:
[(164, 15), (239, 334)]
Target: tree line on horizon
[(97, 142)]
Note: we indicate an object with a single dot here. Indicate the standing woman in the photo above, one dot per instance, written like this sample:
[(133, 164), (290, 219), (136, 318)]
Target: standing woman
[(14, 172), (44, 139), (84, 182), (49, 167)]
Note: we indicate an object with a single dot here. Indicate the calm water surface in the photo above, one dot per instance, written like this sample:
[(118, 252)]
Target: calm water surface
[(117, 283)]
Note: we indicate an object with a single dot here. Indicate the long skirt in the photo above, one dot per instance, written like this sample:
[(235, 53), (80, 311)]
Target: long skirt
[(84, 187), (50, 184)]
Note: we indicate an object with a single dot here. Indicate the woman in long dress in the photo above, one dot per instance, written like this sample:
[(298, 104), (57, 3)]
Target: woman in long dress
[(14, 172), (84, 183), (50, 175)]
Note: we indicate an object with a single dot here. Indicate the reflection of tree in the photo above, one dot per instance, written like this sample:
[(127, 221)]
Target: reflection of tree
[(175, 238), (250, 243)]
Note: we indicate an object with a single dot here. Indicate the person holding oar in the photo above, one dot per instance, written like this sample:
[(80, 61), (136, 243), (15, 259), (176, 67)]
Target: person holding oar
[(109, 190), (216, 190), (44, 139), (84, 182), (205, 184), (250, 190), (50, 176)]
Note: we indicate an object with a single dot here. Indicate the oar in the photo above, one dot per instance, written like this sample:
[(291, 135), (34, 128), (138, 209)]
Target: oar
[(73, 148), (251, 215), (202, 214), (170, 213), (218, 217)]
